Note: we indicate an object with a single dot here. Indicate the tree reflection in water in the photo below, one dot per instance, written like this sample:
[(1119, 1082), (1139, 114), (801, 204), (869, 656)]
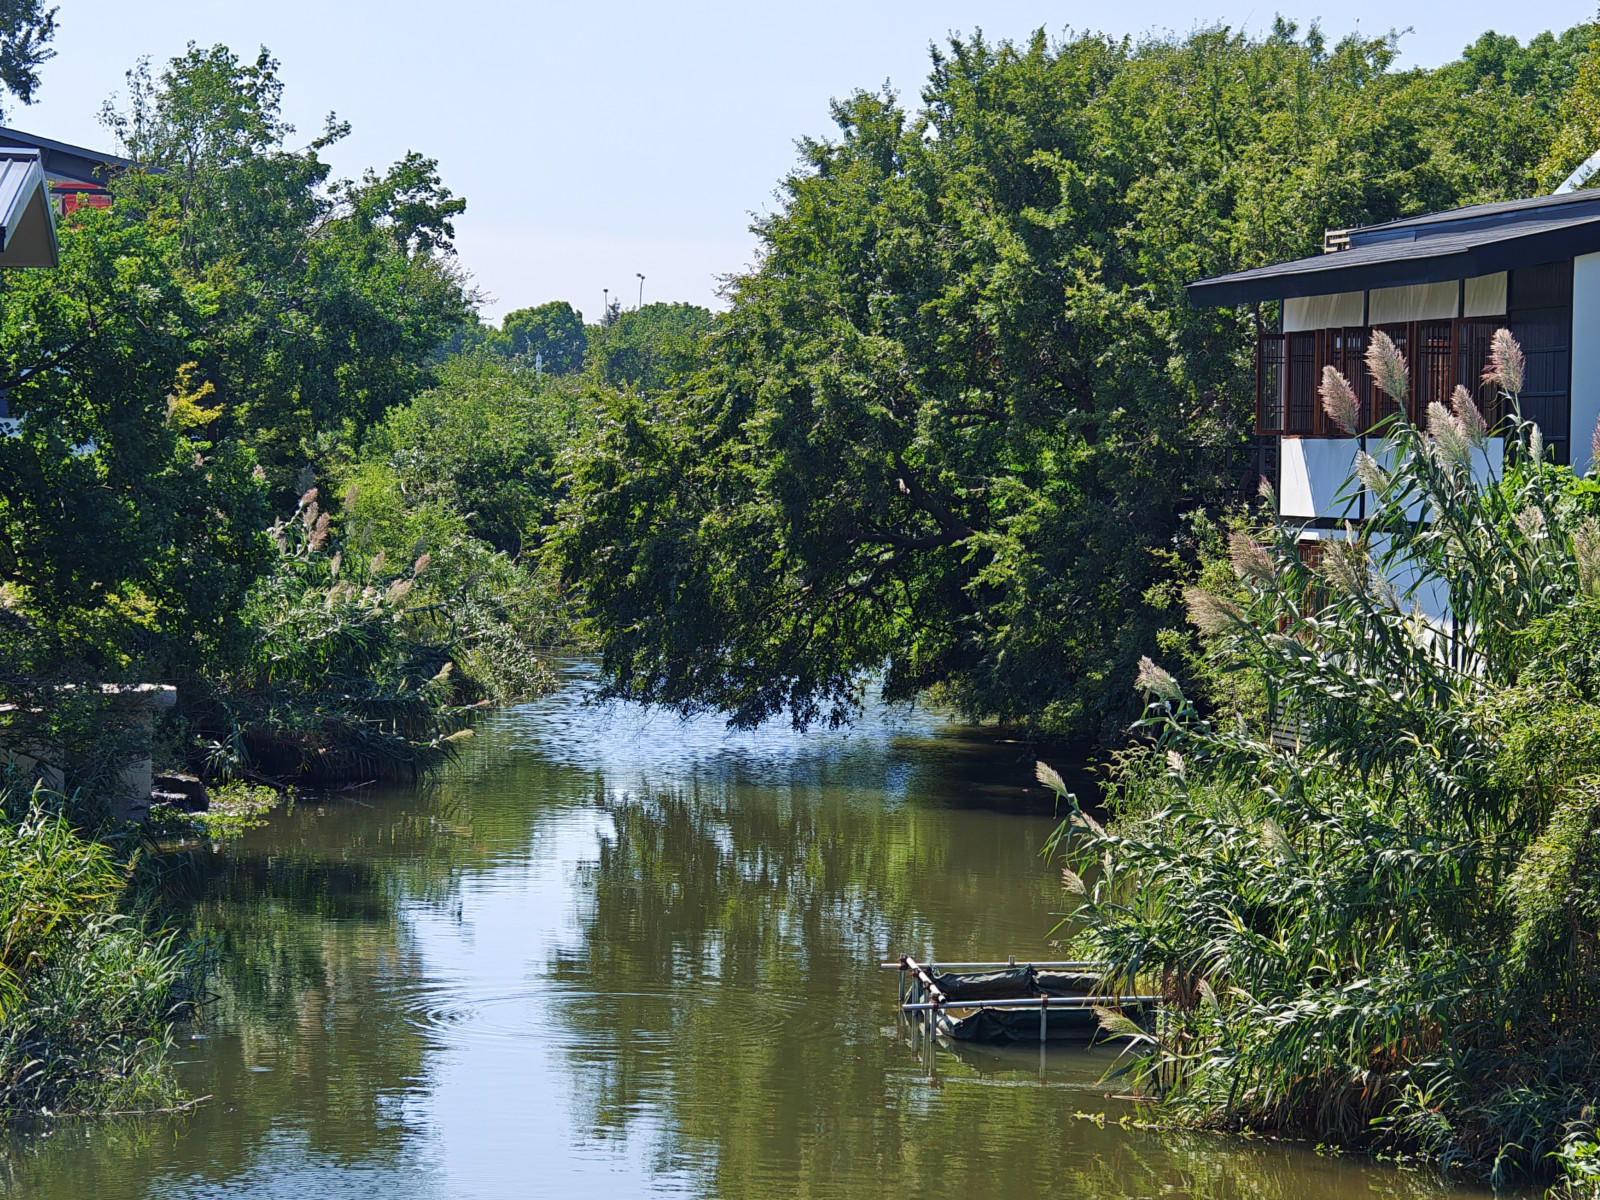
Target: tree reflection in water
[(601, 958)]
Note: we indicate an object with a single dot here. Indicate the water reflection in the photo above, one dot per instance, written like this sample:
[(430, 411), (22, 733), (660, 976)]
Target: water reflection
[(612, 954)]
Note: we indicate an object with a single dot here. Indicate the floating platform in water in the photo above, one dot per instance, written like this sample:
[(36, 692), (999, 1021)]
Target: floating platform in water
[(1009, 1001)]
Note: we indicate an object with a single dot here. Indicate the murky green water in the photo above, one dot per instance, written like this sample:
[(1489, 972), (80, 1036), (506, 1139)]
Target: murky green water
[(616, 956)]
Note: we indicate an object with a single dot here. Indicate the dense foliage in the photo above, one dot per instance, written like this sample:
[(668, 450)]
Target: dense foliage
[(549, 336), (1373, 912), (27, 28), (951, 426)]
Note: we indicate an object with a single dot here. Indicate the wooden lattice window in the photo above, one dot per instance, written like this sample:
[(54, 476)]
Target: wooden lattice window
[(1440, 354)]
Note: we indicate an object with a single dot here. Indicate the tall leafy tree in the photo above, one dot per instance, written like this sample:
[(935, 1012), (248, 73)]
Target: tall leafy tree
[(27, 28), (325, 297), (553, 333), (951, 426), (233, 314), (649, 347)]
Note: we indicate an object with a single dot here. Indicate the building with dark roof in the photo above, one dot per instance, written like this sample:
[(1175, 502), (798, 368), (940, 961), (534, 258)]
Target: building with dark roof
[(74, 174), (1439, 285)]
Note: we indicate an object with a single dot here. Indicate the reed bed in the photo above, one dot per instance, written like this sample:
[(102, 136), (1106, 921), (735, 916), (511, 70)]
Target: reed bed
[(1371, 896)]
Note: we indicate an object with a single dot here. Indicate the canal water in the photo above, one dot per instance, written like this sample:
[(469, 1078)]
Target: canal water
[(612, 954)]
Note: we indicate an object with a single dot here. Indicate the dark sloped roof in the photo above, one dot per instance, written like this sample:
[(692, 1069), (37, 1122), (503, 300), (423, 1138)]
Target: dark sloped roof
[(66, 160), (1433, 248)]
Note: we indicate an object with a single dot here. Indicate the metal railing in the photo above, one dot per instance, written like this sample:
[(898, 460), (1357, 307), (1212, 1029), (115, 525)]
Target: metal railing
[(922, 982)]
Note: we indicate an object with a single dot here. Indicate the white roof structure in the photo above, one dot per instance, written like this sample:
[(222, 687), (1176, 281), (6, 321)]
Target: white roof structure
[(27, 219)]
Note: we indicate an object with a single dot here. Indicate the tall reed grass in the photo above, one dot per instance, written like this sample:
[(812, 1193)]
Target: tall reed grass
[(1374, 909), (88, 995)]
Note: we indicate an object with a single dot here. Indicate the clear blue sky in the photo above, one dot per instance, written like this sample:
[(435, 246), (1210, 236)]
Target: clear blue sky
[(596, 141)]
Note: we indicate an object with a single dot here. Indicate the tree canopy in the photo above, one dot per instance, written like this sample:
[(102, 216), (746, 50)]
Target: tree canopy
[(233, 315), (27, 28), (951, 427), (552, 333)]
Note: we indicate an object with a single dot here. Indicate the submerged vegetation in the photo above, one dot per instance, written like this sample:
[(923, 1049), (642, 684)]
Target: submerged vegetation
[(1371, 897)]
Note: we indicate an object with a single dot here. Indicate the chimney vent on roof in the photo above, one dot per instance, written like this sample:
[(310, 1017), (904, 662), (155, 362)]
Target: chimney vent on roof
[(1334, 240)]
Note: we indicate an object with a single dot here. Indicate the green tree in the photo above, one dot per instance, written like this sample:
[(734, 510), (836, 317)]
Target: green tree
[(129, 530), (647, 348), (553, 332), (951, 425), (325, 298), (26, 30)]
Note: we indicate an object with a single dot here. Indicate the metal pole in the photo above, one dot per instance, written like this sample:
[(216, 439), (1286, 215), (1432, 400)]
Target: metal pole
[(1044, 1032)]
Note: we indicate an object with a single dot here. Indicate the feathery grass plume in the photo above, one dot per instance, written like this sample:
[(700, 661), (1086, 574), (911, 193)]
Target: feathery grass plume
[(1152, 678), (1468, 419), (319, 532), (1050, 777), (1072, 882), (1175, 763), (1506, 368), (350, 494), (421, 565), (1531, 522), (1447, 437), (1346, 564), (1536, 445), (1265, 490), (1370, 473), (1212, 614), (1116, 1024), (309, 496), (1276, 843), (1388, 367), (1339, 400), (1586, 556), (1250, 558)]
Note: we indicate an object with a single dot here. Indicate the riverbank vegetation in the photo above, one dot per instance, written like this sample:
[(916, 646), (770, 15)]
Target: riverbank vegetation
[(1369, 891), (197, 396)]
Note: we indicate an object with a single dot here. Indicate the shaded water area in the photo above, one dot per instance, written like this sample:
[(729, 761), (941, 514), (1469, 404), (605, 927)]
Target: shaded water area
[(610, 954)]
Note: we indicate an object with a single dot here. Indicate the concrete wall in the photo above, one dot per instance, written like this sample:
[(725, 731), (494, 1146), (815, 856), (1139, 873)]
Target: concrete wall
[(1585, 358), (1312, 473)]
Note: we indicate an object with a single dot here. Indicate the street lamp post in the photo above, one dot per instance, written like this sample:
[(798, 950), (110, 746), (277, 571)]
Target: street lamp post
[(641, 289)]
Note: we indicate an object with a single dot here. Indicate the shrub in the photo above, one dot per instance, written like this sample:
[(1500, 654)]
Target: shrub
[(87, 997)]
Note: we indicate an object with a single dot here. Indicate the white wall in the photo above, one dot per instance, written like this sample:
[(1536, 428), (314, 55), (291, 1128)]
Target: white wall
[(1585, 357), (1416, 302), (1311, 474), (1323, 312)]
